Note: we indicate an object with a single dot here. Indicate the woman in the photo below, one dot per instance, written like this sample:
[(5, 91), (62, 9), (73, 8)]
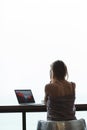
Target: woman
[(60, 94)]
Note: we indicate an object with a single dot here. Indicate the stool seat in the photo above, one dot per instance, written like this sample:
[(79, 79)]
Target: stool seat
[(62, 125)]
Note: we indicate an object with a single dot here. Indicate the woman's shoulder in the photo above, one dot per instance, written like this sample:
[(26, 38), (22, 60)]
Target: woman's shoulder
[(48, 85), (72, 87), (73, 84)]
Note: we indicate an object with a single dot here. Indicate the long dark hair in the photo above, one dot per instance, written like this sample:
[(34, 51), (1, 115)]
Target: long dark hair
[(59, 70)]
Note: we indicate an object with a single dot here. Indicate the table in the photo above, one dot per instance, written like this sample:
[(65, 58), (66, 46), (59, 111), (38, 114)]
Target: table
[(32, 108)]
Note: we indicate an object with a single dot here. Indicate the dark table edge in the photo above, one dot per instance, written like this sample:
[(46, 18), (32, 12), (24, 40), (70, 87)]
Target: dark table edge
[(34, 108)]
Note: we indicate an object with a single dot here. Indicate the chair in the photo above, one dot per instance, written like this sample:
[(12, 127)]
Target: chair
[(62, 125)]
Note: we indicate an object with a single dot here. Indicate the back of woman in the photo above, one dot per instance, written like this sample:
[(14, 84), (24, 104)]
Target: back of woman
[(60, 97)]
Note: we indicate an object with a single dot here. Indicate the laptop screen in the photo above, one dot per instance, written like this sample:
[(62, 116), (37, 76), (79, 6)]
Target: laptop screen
[(24, 96)]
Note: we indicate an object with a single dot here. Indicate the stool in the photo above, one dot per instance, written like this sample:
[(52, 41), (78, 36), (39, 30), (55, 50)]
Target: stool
[(62, 125)]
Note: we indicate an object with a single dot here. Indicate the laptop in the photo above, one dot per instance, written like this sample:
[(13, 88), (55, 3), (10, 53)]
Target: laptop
[(25, 96)]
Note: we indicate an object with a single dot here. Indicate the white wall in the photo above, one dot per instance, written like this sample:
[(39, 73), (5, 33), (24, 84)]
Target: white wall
[(34, 33)]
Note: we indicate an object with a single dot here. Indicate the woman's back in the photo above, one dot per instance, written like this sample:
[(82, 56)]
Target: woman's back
[(60, 88), (60, 100)]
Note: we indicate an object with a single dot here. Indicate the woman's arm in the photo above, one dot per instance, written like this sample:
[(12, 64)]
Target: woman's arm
[(46, 94)]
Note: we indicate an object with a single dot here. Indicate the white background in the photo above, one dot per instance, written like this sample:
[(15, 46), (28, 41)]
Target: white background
[(34, 33)]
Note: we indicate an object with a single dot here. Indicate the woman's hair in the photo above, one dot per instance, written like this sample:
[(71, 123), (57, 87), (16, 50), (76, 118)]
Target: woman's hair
[(59, 70)]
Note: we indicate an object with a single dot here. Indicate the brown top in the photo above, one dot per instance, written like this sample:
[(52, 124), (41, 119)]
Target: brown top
[(59, 98)]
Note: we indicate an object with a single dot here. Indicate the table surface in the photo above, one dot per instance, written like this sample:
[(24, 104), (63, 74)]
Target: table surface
[(23, 108), (34, 108)]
